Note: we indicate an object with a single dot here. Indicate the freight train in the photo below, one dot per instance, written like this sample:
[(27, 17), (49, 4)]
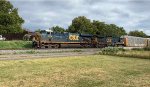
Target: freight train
[(49, 39)]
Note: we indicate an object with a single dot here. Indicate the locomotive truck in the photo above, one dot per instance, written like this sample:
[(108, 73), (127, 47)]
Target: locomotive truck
[(49, 39)]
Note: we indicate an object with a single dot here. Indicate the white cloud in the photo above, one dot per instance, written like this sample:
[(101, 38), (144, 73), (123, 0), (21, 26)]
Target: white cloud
[(130, 14)]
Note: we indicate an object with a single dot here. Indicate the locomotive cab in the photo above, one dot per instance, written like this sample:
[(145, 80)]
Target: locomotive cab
[(39, 38), (46, 35)]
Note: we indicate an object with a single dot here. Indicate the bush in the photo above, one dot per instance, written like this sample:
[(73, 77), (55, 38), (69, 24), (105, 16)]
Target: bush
[(138, 49), (111, 50), (147, 48), (134, 53), (142, 49)]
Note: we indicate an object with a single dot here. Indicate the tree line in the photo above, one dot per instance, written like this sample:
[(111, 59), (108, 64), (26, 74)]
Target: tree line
[(85, 26), (11, 22)]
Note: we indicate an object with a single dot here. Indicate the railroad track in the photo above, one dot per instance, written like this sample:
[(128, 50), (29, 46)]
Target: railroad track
[(45, 53)]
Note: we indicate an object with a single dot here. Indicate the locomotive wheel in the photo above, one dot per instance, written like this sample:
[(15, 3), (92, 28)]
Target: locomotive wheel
[(84, 45), (56, 46), (96, 46), (46, 47)]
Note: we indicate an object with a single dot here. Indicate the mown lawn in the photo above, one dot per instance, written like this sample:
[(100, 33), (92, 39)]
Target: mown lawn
[(84, 71), (15, 44)]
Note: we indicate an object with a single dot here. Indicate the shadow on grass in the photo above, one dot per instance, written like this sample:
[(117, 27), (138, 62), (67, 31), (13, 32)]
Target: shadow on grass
[(128, 56), (85, 82)]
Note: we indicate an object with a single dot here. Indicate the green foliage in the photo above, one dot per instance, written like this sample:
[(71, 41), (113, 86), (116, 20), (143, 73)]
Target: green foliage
[(83, 25), (103, 29), (10, 22), (135, 53), (138, 49), (15, 44), (38, 30), (58, 29), (110, 50), (137, 33), (147, 48), (142, 49), (99, 27)]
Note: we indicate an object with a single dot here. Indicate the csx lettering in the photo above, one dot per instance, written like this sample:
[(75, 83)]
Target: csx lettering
[(73, 37)]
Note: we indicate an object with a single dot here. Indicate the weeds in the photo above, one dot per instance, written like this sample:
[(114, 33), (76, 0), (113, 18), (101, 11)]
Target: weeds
[(16, 44), (136, 53), (111, 50), (147, 48)]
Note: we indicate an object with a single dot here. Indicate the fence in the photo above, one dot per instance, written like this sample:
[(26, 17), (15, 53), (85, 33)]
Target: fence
[(14, 36)]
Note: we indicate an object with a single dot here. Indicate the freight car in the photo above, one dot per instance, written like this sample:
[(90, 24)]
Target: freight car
[(131, 41), (128, 41)]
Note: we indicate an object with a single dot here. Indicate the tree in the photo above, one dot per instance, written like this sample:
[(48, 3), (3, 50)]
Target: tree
[(58, 29), (102, 29), (114, 30), (137, 33), (38, 30), (81, 25), (10, 21), (98, 27)]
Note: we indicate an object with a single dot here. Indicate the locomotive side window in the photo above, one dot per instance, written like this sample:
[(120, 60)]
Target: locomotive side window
[(48, 32)]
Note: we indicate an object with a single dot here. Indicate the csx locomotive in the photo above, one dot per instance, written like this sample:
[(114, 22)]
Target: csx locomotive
[(49, 39)]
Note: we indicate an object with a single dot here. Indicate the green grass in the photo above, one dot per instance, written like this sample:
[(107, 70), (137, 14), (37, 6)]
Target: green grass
[(84, 71), (136, 53), (15, 44), (133, 53)]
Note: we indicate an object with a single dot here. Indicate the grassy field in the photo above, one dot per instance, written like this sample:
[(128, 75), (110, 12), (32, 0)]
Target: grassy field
[(140, 53), (136, 54), (84, 71), (15, 44)]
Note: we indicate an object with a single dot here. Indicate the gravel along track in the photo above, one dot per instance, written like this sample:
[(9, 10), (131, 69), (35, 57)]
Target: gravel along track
[(45, 53)]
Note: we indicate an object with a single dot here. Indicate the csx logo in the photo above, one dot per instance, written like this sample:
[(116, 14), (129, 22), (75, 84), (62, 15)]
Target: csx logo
[(73, 37)]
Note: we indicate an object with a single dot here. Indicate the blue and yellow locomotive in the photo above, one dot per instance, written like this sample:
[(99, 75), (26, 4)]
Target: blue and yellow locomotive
[(49, 39)]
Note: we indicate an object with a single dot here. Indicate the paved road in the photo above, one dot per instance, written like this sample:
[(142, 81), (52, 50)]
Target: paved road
[(45, 53)]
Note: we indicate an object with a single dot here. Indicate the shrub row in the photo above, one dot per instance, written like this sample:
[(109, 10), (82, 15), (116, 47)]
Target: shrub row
[(137, 53)]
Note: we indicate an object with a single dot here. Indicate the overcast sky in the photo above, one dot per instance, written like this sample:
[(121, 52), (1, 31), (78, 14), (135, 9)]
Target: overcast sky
[(43, 14)]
